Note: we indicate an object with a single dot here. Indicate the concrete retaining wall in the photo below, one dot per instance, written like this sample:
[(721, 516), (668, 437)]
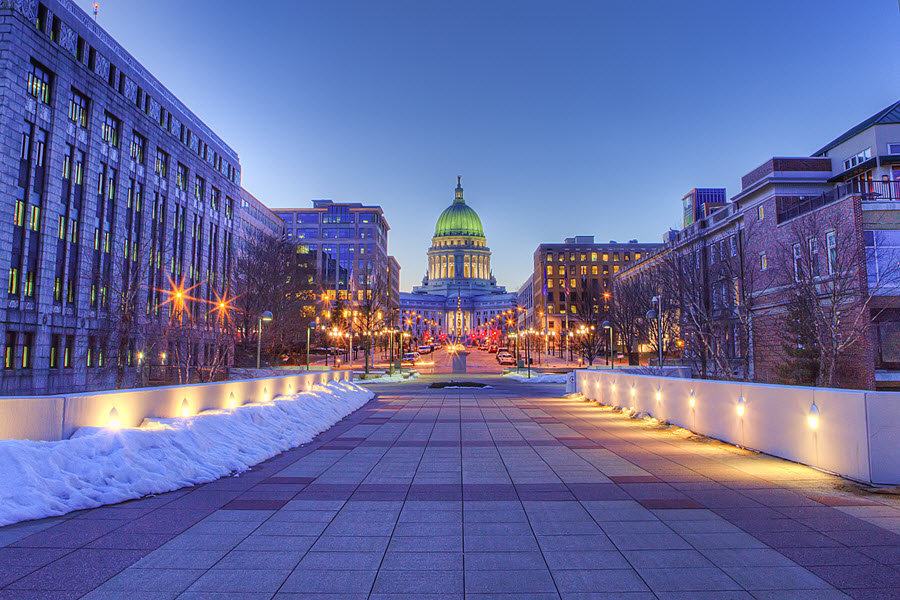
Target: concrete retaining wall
[(58, 417), (858, 433)]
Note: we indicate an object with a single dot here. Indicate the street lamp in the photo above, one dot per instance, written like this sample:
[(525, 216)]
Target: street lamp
[(657, 314), (610, 358), (309, 328), (266, 317)]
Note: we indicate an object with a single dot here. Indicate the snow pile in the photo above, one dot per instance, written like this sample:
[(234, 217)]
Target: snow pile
[(104, 466), (538, 378)]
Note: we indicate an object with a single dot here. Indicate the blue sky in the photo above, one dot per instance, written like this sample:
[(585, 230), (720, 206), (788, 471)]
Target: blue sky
[(563, 118)]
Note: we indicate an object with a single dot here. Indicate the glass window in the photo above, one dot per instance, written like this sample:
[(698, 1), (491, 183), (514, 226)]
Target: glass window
[(110, 130), (138, 147), (78, 109), (831, 250), (38, 85), (162, 163)]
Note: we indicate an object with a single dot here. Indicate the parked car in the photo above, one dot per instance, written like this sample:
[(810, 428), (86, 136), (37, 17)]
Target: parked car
[(493, 348), (425, 349), (410, 357), (506, 359)]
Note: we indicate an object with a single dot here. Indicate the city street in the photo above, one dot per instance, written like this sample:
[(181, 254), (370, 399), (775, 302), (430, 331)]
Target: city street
[(507, 493)]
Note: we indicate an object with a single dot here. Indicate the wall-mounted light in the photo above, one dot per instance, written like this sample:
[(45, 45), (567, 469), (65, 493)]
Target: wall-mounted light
[(232, 402), (633, 391), (613, 387), (265, 396), (658, 394), (185, 408), (740, 406), (813, 417), (692, 401), (114, 422)]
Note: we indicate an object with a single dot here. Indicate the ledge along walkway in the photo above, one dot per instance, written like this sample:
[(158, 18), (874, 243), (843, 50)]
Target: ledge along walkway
[(510, 492)]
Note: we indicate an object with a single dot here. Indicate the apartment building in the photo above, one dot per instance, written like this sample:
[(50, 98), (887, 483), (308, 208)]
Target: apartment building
[(829, 222)]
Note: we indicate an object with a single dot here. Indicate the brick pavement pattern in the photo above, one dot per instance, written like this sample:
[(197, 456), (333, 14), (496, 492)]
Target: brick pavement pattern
[(507, 493)]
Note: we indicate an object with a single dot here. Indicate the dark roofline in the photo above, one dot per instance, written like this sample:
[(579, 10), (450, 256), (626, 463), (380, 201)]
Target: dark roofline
[(876, 119)]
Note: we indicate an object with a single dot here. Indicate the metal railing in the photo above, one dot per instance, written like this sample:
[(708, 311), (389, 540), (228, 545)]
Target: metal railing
[(870, 191), (791, 207)]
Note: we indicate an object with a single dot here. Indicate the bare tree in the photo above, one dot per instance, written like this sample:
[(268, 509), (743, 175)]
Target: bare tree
[(588, 335), (272, 274), (828, 289), (119, 290), (631, 301), (369, 308)]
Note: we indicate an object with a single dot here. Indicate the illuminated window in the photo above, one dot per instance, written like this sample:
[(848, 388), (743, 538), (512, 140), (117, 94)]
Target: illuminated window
[(763, 261), (39, 83), (760, 212), (593, 257), (110, 130), (78, 109), (138, 148)]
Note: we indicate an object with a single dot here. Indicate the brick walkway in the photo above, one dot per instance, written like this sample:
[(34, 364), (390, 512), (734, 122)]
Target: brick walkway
[(507, 493)]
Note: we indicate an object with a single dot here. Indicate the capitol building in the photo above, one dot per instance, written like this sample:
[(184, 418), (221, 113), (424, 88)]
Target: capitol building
[(459, 295)]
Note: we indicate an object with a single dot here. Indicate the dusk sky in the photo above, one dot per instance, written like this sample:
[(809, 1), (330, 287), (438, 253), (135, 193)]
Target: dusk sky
[(563, 118)]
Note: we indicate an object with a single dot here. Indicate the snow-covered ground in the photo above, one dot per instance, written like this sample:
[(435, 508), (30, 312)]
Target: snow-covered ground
[(395, 378), (537, 377), (103, 466)]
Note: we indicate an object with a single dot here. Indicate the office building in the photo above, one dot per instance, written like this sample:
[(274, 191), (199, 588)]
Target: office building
[(575, 277), (112, 193), (347, 243)]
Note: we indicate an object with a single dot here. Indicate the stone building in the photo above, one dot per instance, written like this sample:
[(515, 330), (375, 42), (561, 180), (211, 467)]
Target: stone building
[(113, 195), (459, 297)]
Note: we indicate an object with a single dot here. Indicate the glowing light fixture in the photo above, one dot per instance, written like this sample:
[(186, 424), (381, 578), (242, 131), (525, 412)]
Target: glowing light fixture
[(658, 394), (185, 408), (231, 401), (813, 417), (633, 391), (114, 422), (693, 400), (740, 406), (613, 387)]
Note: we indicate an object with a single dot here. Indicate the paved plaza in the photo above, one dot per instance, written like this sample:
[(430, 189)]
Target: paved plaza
[(505, 493)]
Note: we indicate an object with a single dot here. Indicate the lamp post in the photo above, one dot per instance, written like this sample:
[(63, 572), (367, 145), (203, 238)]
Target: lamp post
[(657, 314), (309, 328), (266, 317), (610, 357)]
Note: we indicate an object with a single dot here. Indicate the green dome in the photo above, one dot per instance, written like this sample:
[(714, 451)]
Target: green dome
[(459, 219)]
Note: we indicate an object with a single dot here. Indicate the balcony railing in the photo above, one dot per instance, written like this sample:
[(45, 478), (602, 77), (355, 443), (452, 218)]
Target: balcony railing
[(791, 207), (870, 191)]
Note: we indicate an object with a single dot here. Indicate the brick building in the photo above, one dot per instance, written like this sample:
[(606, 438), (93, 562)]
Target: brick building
[(827, 224), (584, 268), (113, 195)]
